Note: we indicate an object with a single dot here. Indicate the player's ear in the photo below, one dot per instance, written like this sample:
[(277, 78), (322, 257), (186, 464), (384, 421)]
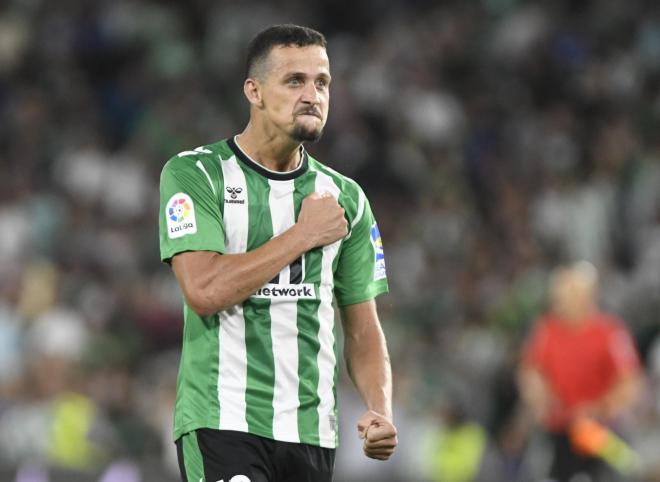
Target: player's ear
[(252, 91)]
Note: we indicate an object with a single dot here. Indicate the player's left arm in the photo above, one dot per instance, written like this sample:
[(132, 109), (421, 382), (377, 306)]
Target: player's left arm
[(533, 387), (368, 364), (627, 383), (623, 393)]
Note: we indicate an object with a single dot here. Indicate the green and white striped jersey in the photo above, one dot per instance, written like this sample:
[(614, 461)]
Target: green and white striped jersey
[(269, 365)]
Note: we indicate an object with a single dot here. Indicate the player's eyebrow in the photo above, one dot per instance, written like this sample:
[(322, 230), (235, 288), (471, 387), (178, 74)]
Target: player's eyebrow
[(304, 75)]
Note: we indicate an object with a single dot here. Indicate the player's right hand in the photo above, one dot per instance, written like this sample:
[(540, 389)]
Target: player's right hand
[(321, 219), (379, 435)]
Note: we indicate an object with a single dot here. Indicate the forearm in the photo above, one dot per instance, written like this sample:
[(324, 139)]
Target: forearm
[(367, 358), (534, 392), (372, 376), (619, 398), (223, 281)]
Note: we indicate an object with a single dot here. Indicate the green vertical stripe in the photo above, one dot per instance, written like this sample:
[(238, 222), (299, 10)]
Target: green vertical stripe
[(213, 346), (335, 262), (192, 457), (308, 349), (199, 356), (259, 346), (308, 330), (216, 169)]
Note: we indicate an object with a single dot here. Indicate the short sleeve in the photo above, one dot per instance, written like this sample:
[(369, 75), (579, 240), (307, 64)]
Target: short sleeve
[(190, 217), (622, 352), (360, 274)]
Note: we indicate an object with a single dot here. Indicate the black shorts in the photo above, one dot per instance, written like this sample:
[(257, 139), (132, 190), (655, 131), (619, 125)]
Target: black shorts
[(207, 455), (566, 463)]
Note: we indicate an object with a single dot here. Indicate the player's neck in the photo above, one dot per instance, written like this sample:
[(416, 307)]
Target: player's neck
[(577, 318), (276, 153)]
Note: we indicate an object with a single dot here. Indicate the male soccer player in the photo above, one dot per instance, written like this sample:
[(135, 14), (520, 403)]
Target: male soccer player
[(260, 236)]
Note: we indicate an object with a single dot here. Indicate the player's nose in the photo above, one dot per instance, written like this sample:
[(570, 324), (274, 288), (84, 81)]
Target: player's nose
[(310, 95)]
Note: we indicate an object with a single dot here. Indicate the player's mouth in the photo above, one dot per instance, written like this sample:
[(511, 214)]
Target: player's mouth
[(310, 112)]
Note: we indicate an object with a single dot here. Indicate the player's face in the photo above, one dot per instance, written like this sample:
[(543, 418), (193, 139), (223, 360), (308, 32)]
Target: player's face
[(295, 91), (572, 296)]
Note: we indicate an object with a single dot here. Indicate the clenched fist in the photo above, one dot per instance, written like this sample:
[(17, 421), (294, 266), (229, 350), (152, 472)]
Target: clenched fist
[(379, 435), (321, 220)]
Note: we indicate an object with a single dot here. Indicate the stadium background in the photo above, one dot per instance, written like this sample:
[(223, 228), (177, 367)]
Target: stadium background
[(495, 139)]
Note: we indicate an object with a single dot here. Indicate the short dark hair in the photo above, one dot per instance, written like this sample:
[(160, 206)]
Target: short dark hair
[(285, 35)]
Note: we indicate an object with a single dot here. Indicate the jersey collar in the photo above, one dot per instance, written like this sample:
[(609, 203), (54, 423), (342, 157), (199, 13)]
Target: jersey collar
[(274, 175)]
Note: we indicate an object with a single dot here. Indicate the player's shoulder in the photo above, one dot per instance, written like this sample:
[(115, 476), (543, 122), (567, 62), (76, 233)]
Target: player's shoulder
[(610, 323), (347, 186), (546, 328), (206, 156)]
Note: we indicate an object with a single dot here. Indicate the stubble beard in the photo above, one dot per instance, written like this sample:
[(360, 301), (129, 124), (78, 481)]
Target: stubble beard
[(303, 134)]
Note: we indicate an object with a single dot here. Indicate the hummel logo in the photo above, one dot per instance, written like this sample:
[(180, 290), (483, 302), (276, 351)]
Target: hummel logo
[(233, 193)]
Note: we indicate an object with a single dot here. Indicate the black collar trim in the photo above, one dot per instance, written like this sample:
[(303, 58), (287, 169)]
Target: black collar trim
[(276, 176)]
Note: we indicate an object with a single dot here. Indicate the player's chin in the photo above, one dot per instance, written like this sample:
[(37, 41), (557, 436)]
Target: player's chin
[(307, 133)]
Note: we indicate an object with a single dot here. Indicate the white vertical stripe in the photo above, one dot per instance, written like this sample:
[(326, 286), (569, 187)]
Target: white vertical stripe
[(232, 373), (285, 274), (201, 167), (283, 326), (326, 358), (360, 212)]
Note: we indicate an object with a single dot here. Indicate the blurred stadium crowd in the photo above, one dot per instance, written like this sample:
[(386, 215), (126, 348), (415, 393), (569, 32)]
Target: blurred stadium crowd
[(496, 139)]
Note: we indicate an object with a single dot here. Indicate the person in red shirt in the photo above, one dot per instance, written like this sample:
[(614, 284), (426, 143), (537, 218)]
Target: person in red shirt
[(579, 363)]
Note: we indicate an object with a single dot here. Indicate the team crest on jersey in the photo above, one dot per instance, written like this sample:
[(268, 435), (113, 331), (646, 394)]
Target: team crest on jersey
[(180, 215), (377, 242)]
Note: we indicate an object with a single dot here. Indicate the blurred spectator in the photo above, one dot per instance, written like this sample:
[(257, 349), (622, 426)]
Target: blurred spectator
[(578, 364), (454, 453), (58, 417)]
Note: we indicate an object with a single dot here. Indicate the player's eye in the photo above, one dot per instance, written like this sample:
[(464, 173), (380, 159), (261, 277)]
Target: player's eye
[(295, 81)]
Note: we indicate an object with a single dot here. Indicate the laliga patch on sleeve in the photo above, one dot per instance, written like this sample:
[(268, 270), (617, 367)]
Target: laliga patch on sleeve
[(180, 215), (379, 264)]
